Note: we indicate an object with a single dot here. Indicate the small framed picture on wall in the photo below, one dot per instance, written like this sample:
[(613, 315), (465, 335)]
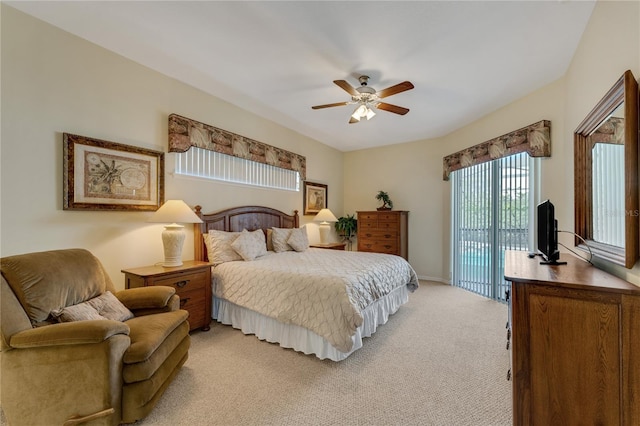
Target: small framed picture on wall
[(315, 197)]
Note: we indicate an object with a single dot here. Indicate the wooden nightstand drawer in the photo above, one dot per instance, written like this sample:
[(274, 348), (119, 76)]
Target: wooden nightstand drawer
[(184, 282), (193, 302), (192, 282)]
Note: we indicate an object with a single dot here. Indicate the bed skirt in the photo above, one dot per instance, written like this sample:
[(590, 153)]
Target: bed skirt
[(301, 339)]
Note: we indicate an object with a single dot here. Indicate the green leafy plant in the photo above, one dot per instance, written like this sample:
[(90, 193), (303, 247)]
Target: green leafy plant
[(346, 227), (387, 204)]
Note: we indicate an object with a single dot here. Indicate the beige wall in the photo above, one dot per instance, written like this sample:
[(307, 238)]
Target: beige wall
[(53, 82), (412, 173)]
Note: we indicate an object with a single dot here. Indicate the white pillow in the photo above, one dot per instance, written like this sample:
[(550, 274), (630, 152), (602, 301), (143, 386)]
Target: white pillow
[(279, 239), (219, 248), (250, 245), (298, 239)]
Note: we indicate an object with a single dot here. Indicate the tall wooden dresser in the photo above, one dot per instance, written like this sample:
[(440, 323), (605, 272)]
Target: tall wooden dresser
[(576, 344), (384, 231)]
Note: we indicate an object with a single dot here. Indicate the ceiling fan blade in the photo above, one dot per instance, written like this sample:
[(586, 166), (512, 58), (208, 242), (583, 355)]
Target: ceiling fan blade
[(346, 87), (392, 108), (400, 87), (330, 105)]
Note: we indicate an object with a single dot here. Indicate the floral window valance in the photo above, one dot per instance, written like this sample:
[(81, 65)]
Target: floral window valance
[(185, 133), (534, 139)]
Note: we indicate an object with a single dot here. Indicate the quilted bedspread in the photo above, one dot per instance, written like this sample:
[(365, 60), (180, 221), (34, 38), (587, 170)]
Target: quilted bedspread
[(322, 290)]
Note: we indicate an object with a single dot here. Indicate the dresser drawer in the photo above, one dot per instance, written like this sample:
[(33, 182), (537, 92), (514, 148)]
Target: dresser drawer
[(388, 247), (388, 217), (379, 235), (184, 282), (371, 217), (367, 223), (392, 226)]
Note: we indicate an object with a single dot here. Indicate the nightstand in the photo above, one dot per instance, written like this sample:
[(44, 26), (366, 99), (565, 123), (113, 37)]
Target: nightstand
[(192, 281), (330, 246)]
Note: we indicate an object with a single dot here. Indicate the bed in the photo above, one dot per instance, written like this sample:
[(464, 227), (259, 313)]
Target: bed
[(315, 301)]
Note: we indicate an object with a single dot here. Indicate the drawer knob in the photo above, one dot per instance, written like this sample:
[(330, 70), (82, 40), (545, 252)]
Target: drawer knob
[(182, 283), (184, 301)]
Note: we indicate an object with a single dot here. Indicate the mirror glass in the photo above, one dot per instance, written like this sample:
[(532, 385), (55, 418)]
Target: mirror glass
[(606, 176), (607, 170)]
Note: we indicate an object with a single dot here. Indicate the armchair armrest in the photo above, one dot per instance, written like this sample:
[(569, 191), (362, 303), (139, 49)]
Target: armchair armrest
[(68, 333), (152, 299)]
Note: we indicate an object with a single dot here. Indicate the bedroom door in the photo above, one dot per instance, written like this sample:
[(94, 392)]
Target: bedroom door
[(492, 211)]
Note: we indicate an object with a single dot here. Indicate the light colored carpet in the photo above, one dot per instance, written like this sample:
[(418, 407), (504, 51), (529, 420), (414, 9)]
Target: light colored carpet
[(440, 360)]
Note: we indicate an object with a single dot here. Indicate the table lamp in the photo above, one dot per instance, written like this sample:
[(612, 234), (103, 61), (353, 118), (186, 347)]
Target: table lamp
[(174, 212), (324, 216)]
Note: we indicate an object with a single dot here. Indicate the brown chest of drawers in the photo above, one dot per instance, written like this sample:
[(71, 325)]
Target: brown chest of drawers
[(384, 232), (192, 282)]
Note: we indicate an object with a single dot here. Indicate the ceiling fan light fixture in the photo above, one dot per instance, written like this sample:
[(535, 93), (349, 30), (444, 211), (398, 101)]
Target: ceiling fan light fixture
[(360, 111), (370, 114), (363, 111)]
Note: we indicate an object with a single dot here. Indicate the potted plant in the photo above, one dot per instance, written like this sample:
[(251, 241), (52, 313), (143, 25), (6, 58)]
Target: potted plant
[(387, 204), (346, 227)]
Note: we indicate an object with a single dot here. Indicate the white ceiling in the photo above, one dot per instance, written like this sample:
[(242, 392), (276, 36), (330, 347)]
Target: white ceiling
[(277, 59)]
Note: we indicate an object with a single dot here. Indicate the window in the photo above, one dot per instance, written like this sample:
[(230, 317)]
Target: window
[(216, 166)]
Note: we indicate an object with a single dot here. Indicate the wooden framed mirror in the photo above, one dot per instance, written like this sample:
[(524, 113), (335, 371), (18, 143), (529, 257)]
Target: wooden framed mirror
[(607, 214)]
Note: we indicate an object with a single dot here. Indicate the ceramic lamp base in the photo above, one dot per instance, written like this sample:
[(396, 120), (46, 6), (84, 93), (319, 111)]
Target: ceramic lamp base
[(324, 229), (173, 240)]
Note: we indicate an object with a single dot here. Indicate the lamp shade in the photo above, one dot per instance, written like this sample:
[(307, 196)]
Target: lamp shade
[(175, 211), (325, 215)]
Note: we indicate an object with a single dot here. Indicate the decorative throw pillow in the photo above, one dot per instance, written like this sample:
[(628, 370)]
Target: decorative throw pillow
[(219, 249), (298, 239), (80, 312), (279, 239), (110, 307), (250, 245)]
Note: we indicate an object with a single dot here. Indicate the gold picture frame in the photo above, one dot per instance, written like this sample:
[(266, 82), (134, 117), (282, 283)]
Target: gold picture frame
[(315, 197), (103, 175)]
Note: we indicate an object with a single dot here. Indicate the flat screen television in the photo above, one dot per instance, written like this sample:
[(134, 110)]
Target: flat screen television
[(548, 234)]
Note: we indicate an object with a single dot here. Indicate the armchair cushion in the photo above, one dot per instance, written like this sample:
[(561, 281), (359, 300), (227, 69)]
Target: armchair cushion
[(149, 332)]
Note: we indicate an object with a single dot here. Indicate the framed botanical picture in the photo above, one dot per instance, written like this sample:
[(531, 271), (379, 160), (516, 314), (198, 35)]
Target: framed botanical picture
[(315, 197), (102, 175)]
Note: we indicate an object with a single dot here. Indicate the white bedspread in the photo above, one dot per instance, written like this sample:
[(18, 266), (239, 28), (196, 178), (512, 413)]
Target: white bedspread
[(322, 290)]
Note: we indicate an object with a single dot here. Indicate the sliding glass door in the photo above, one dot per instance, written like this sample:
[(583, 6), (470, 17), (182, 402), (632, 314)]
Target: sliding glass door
[(492, 211)]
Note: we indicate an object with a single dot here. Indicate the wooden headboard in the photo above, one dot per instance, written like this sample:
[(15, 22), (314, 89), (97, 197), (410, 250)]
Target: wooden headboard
[(236, 219)]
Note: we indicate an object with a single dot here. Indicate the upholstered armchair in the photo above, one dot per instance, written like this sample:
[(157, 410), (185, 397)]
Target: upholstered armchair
[(89, 371)]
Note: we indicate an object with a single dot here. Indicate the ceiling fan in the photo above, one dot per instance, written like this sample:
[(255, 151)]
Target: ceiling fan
[(367, 98)]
